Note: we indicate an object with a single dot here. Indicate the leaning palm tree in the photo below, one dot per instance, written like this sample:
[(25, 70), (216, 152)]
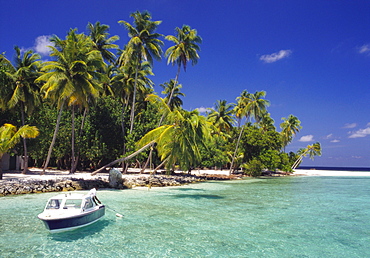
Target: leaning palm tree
[(290, 127), (144, 45), (251, 106), (10, 136), (102, 42), (185, 49), (178, 140), (73, 79), (25, 91), (311, 150)]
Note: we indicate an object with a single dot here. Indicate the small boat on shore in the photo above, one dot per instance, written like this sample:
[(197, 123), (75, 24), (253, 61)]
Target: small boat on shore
[(72, 210)]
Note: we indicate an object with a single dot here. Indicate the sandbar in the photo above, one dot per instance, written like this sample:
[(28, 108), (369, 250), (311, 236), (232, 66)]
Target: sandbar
[(313, 172)]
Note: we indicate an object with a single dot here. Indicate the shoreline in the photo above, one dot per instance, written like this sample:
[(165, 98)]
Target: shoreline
[(51, 174)]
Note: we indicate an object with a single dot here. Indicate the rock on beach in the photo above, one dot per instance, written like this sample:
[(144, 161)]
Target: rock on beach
[(19, 186)]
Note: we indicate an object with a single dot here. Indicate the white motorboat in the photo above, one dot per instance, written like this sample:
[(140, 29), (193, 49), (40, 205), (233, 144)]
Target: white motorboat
[(71, 210)]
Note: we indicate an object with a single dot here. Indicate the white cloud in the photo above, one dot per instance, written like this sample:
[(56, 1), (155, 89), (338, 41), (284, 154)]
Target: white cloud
[(353, 125), (42, 44), (306, 138), (329, 136), (364, 49), (276, 56), (202, 109), (360, 133)]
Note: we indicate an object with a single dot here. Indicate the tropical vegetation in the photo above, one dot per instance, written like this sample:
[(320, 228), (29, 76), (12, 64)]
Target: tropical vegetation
[(94, 106)]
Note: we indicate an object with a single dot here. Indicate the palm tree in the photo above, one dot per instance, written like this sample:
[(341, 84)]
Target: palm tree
[(290, 127), (102, 42), (179, 139), (222, 116), (311, 150), (123, 83), (267, 123), (143, 45), (6, 81), (250, 106), (239, 108), (170, 88), (74, 78), (25, 91), (184, 50), (10, 136)]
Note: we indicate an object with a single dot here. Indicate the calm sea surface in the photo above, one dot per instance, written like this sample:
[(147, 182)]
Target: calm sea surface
[(278, 217)]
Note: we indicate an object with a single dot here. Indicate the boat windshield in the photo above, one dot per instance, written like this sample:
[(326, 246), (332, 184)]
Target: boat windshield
[(72, 204), (53, 204), (88, 203)]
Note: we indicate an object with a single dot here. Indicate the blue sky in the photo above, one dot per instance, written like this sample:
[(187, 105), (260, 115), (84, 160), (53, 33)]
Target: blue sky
[(311, 57)]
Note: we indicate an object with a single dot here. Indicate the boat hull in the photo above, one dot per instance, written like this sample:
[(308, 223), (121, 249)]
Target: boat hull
[(73, 222)]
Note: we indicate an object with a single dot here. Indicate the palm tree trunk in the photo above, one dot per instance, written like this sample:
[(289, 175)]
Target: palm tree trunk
[(171, 94), (83, 122), (53, 140), (168, 103), (122, 159), (236, 150), (147, 160), (74, 165), (297, 162), (160, 165), (123, 112), (132, 116), (25, 154), (174, 85), (73, 161)]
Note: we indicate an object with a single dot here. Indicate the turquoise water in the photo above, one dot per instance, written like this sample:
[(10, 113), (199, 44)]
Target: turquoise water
[(278, 217)]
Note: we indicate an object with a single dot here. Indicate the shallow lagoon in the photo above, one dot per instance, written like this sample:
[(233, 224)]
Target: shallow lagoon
[(276, 217)]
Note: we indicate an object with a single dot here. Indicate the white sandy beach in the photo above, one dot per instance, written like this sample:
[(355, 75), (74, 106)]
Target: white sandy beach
[(306, 172), (34, 174)]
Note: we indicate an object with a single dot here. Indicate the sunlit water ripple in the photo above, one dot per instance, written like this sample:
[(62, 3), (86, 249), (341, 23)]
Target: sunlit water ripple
[(277, 217)]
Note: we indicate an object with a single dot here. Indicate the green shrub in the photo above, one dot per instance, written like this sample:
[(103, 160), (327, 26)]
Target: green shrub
[(253, 168)]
